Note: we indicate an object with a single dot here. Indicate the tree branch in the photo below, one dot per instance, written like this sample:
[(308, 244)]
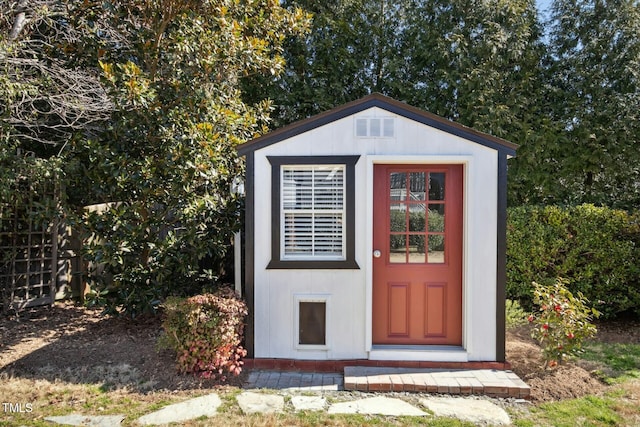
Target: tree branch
[(19, 21)]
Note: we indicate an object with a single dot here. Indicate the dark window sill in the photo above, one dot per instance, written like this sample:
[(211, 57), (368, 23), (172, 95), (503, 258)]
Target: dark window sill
[(313, 265)]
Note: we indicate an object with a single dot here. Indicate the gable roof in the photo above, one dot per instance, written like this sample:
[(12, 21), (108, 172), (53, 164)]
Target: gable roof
[(385, 103)]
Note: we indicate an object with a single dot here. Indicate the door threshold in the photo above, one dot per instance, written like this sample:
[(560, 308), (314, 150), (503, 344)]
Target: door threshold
[(409, 347), (426, 353)]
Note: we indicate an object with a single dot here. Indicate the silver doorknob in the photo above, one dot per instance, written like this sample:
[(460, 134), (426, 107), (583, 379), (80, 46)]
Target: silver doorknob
[(377, 253)]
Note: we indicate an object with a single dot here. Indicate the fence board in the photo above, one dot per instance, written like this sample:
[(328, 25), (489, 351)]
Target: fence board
[(28, 256)]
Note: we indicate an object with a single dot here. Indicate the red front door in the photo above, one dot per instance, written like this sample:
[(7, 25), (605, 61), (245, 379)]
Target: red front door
[(417, 264)]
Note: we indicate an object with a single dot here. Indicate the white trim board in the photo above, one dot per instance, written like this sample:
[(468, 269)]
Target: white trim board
[(461, 354), (419, 353)]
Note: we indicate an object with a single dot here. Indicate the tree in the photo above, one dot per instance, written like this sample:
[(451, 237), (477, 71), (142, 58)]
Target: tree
[(477, 63), (595, 94), (165, 163), (347, 54), (46, 100), (474, 62)]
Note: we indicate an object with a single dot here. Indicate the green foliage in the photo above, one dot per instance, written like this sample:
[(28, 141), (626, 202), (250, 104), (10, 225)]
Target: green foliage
[(205, 331), (140, 105), (585, 147), (594, 248), (515, 314), (46, 98), (346, 55), (562, 322), (473, 62), (29, 196), (24, 177), (164, 166), (567, 94), (594, 90)]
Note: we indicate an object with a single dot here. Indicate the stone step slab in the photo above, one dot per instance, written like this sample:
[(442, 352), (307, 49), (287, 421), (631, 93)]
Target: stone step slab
[(206, 406), (252, 403), (308, 403), (379, 405), (88, 420), (476, 411)]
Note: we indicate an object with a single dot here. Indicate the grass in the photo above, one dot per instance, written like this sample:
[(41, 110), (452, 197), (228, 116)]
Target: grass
[(589, 410), (61, 398), (614, 362), (617, 364), (619, 407), (58, 398)]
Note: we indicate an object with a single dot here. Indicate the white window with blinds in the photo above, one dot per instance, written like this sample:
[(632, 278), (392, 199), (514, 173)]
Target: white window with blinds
[(312, 212)]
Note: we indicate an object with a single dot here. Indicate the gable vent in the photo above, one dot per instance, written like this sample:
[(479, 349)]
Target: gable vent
[(375, 127)]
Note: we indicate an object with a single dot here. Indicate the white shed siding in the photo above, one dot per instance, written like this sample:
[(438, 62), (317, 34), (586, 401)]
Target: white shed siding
[(349, 317)]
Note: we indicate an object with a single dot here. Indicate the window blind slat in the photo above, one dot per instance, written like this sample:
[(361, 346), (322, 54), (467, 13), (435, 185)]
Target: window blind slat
[(313, 210)]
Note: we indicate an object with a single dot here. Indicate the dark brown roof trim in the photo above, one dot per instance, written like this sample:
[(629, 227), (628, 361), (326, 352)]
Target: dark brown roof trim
[(386, 103)]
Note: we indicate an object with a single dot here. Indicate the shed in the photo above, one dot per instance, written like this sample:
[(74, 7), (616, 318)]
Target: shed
[(376, 232)]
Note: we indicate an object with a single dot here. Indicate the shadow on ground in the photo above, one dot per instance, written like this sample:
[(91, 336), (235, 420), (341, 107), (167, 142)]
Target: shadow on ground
[(75, 345)]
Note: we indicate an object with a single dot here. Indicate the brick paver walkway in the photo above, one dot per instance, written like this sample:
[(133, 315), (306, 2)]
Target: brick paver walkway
[(298, 381), (487, 382)]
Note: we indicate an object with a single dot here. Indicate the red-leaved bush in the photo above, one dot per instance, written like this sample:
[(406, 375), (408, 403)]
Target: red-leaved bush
[(205, 331)]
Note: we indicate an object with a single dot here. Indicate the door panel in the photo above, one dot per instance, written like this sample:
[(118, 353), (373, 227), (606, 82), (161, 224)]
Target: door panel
[(435, 310), (417, 279), (399, 317)]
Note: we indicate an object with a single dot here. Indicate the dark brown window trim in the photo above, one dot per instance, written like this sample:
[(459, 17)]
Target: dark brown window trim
[(350, 260)]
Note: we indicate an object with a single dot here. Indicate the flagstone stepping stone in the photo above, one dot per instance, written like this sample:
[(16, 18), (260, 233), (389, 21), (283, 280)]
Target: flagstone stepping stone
[(206, 406), (377, 406), (252, 403), (88, 420), (308, 403), (476, 411)]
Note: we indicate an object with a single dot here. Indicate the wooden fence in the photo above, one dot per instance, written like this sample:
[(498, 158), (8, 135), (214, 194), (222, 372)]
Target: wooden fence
[(39, 261)]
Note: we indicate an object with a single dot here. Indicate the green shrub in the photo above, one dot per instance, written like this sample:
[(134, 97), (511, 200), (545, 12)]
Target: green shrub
[(595, 248), (515, 314), (205, 331), (562, 321)]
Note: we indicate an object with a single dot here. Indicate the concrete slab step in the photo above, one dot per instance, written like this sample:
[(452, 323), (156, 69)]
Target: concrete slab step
[(88, 420), (487, 382), (308, 403), (474, 410), (379, 405), (262, 403), (188, 410)]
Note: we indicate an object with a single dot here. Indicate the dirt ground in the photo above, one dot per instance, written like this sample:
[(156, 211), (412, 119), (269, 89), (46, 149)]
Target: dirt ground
[(565, 382), (74, 344)]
